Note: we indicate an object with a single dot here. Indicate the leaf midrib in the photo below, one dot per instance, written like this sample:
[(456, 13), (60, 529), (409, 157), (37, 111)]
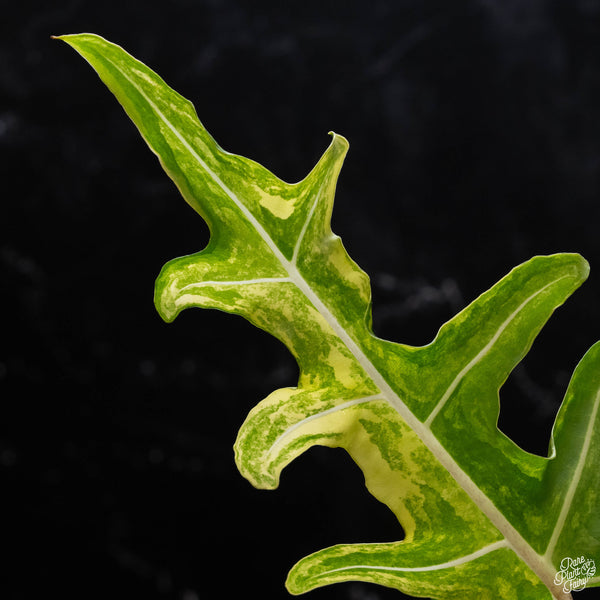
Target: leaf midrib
[(538, 564)]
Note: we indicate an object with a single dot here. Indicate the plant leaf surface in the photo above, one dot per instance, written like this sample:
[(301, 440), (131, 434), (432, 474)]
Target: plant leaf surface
[(483, 518)]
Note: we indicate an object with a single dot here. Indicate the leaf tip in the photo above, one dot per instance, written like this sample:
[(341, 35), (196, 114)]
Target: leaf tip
[(308, 573), (582, 265), (294, 583), (580, 268), (339, 140), (65, 37), (165, 306), (584, 268), (74, 39), (573, 265)]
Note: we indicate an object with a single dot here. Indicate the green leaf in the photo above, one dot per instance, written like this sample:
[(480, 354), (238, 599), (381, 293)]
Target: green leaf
[(483, 518)]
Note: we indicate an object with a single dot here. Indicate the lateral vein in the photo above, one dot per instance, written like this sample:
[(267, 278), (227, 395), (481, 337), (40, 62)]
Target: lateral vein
[(319, 415), (446, 565), (482, 353), (305, 226), (238, 282)]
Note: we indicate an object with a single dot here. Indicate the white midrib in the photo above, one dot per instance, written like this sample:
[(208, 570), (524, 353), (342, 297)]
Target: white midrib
[(538, 564)]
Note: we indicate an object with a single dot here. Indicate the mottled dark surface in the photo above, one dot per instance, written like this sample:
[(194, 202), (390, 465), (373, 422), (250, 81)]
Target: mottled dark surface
[(475, 144)]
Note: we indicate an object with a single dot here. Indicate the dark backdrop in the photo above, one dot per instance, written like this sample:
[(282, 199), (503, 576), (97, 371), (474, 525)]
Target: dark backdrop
[(475, 144)]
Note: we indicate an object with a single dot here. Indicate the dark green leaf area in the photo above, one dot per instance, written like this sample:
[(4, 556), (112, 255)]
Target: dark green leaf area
[(340, 281)]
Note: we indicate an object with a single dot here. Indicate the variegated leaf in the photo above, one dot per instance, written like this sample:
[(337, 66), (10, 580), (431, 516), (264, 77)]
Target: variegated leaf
[(483, 518)]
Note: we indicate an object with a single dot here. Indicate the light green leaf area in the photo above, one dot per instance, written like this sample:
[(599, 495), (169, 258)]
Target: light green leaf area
[(483, 518)]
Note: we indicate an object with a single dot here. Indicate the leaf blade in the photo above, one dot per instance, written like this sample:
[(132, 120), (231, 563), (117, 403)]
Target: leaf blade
[(488, 573), (321, 310), (576, 440)]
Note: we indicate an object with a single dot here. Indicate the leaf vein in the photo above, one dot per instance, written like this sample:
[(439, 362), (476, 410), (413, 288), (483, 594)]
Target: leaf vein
[(576, 478), (319, 415), (446, 565), (305, 226), (483, 352), (240, 282)]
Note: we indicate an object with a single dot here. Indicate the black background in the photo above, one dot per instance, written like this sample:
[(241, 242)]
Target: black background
[(475, 144)]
